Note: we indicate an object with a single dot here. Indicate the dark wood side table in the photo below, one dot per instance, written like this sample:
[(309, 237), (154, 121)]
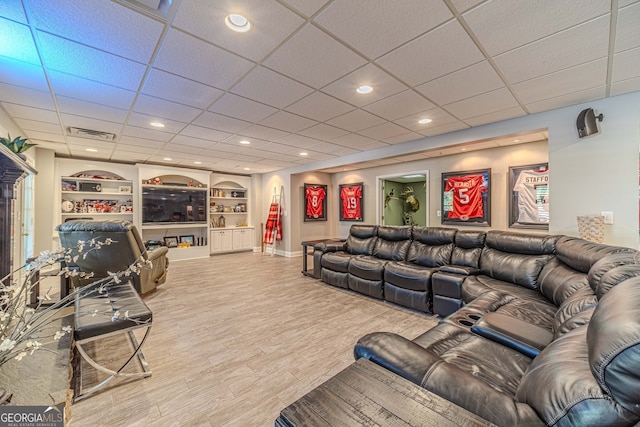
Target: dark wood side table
[(367, 394), (305, 252)]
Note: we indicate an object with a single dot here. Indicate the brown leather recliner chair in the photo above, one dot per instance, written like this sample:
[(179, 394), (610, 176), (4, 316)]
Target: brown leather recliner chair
[(126, 248)]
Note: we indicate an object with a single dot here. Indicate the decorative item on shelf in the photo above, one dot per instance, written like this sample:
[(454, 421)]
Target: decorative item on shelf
[(214, 224), (124, 189), (171, 242), (157, 181), (17, 145), (69, 185), (242, 224), (239, 194), (220, 208), (188, 240), (95, 187), (100, 206), (221, 222)]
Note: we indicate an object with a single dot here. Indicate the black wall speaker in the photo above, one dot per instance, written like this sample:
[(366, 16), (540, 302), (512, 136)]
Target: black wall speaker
[(587, 122)]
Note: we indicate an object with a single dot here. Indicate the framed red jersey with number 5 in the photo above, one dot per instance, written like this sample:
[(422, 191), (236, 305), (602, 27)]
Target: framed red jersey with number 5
[(351, 197), (466, 197), (315, 202)]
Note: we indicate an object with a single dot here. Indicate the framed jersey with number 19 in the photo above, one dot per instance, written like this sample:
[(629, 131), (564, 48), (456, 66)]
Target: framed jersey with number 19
[(466, 197), (315, 202), (351, 197)]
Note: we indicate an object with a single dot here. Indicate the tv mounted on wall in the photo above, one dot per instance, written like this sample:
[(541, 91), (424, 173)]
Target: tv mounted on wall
[(174, 205)]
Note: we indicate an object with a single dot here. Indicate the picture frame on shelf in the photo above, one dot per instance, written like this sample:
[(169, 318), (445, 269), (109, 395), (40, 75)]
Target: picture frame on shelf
[(529, 196), (187, 239), (466, 197), (351, 199), (315, 202), (125, 189), (171, 241)]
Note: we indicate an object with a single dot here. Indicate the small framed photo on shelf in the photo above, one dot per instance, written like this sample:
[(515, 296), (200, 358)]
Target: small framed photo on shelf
[(315, 202), (351, 198), (69, 185), (187, 239), (124, 189), (466, 197), (171, 242), (529, 196)]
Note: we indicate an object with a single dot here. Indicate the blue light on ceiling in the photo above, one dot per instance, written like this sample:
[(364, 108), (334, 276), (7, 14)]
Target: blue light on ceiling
[(16, 42)]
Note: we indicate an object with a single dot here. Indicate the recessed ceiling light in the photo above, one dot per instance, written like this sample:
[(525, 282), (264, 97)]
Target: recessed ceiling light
[(237, 23), (245, 142), (516, 140), (157, 124), (463, 149), (304, 154), (93, 150), (247, 169), (167, 158), (197, 163), (424, 121), (364, 89)]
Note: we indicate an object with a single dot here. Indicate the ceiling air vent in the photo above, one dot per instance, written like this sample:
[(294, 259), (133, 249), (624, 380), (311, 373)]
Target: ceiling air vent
[(91, 134)]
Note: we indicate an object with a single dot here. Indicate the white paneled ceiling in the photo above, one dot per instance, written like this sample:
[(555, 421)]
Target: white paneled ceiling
[(288, 85)]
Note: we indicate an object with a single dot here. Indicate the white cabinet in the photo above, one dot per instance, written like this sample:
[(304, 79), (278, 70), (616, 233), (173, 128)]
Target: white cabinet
[(231, 240)]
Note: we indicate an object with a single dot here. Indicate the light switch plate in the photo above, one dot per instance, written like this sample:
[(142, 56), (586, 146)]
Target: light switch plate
[(608, 217)]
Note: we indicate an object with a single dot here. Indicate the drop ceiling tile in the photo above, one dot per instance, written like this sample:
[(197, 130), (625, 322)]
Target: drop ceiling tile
[(143, 120), (570, 99), (353, 140), (191, 141), (24, 112), (195, 59), (504, 25), (470, 81), (76, 143), (241, 108), (323, 132), (479, 105), (379, 29), (13, 9), (219, 122), (313, 58), (442, 51), (263, 132), (144, 133), (174, 147), (87, 109), (383, 131), (22, 74), (88, 90), (271, 88), (306, 7), (129, 157), (275, 155), (625, 86), (125, 33), (320, 107), (149, 105), (177, 89), (23, 95), (204, 133), (464, 5), (437, 115), (35, 125), (271, 24), (627, 28), (623, 3), (297, 141), (288, 122), (356, 120), (44, 136), (574, 79), (400, 105), (135, 141), (496, 116), (382, 83), (82, 61), (292, 152), (371, 146), (411, 136), (129, 147), (626, 65), (21, 47), (556, 52), (244, 158)]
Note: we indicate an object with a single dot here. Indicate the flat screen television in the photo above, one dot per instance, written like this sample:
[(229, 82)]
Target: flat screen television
[(174, 205)]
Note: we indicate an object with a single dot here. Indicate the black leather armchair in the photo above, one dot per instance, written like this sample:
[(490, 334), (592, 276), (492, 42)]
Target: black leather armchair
[(127, 247)]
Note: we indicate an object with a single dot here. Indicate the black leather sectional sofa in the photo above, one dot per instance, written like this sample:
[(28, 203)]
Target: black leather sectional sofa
[(541, 330)]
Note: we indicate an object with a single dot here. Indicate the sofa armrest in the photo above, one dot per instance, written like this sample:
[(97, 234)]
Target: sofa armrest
[(514, 333), (459, 269), (333, 246), (396, 354)]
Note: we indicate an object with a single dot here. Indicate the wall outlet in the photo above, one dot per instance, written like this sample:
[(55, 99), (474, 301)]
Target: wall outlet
[(439, 213), (608, 217)]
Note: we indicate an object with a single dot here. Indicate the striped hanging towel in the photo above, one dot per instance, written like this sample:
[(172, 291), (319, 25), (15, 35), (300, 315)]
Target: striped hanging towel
[(273, 226)]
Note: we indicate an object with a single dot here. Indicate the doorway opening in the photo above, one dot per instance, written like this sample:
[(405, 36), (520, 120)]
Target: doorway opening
[(403, 199)]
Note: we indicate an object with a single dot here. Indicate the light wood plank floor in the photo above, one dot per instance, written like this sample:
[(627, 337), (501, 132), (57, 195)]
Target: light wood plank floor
[(235, 339)]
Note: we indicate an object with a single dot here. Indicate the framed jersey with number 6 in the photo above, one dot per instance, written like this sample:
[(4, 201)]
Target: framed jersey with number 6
[(315, 202), (466, 197), (351, 197)]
